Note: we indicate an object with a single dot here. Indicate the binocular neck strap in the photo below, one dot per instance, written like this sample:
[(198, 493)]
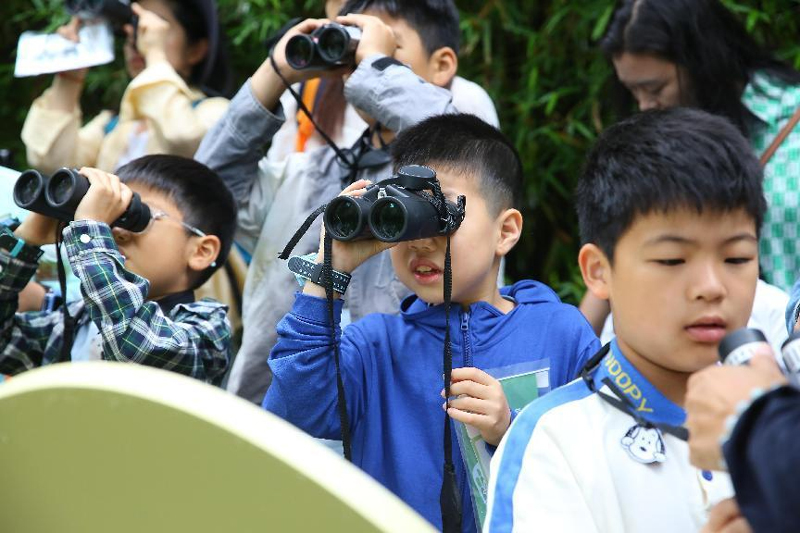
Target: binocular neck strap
[(302, 106), (449, 498), (287, 250), (68, 337), (326, 279)]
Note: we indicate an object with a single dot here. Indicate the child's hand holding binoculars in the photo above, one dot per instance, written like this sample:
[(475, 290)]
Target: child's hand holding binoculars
[(107, 197)]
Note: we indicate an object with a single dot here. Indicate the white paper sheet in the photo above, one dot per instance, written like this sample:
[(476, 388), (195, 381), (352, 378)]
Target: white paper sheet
[(45, 53)]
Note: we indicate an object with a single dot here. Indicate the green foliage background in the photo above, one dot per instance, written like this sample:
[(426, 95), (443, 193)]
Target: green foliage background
[(538, 59)]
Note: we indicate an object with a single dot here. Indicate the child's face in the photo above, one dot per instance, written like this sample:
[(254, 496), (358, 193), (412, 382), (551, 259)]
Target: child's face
[(476, 248), (680, 281), (410, 51), (161, 252), (177, 46)]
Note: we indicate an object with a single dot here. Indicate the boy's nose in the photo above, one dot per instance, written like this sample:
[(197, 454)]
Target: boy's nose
[(708, 284), (427, 245)]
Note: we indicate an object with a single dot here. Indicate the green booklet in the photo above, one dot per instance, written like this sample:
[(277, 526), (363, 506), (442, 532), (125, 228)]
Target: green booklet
[(522, 383)]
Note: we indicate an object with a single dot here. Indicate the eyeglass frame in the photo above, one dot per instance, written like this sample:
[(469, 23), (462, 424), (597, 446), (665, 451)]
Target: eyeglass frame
[(160, 215)]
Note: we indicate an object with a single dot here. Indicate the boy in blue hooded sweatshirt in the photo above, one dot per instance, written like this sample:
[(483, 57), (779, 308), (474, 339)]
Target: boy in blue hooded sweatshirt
[(392, 365)]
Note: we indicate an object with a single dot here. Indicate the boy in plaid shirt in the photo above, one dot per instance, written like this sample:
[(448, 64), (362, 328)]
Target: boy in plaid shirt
[(138, 305)]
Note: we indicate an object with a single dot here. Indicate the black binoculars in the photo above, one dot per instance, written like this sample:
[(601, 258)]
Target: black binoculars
[(394, 210), (58, 197), (329, 46), (116, 12)]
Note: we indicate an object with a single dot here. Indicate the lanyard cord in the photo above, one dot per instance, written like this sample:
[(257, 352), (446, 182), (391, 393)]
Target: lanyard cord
[(449, 497), (68, 336), (339, 153), (619, 401)]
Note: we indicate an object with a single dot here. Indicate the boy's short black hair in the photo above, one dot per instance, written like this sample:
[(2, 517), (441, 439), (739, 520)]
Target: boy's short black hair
[(659, 161), (199, 193), (436, 21), (465, 144)]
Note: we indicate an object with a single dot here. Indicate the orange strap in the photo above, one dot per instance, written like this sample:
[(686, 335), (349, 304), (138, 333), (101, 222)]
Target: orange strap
[(769, 152), (305, 128)]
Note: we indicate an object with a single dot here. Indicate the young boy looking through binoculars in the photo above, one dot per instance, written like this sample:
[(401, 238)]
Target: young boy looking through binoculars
[(138, 305), (391, 365)]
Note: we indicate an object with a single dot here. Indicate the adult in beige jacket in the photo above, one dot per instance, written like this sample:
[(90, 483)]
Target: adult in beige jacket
[(178, 66), (177, 51)]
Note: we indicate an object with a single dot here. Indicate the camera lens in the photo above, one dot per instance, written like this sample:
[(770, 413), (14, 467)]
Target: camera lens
[(343, 219), (299, 51), (388, 220), (333, 44)]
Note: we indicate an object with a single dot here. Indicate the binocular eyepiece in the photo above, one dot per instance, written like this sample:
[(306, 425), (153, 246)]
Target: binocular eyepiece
[(329, 46), (394, 210), (58, 197)]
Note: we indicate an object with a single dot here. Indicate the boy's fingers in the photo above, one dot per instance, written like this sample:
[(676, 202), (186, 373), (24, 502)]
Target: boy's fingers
[(308, 25), (472, 405), (473, 374), (353, 19), (470, 388), (97, 178), (765, 360), (475, 420), (356, 185), (116, 186), (126, 194)]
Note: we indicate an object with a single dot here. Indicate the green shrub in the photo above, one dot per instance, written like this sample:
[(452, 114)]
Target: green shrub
[(538, 60)]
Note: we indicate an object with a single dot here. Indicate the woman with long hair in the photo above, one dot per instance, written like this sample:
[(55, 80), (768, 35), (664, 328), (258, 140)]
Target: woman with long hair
[(697, 53)]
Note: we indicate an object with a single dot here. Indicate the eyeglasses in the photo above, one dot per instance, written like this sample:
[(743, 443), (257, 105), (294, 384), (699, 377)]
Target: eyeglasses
[(161, 215)]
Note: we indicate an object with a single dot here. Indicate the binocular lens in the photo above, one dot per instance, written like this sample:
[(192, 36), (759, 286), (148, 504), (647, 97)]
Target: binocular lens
[(388, 220), (60, 188), (332, 44), (28, 188), (343, 219), (300, 51)]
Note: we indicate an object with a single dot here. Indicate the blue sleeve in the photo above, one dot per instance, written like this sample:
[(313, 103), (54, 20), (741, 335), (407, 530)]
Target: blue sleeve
[(577, 343), (791, 309), (303, 390), (763, 459)]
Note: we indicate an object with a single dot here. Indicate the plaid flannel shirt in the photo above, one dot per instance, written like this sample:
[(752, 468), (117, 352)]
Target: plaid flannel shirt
[(194, 339)]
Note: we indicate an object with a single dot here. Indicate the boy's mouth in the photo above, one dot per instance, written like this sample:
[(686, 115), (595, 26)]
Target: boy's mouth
[(425, 272), (707, 330)]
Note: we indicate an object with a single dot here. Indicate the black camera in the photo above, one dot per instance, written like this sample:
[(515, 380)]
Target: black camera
[(329, 46), (58, 197), (116, 12), (394, 210)]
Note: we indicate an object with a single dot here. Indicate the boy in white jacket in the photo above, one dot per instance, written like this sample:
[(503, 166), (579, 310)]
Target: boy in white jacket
[(669, 205)]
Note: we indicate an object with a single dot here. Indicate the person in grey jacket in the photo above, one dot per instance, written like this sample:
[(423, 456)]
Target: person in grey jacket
[(406, 58)]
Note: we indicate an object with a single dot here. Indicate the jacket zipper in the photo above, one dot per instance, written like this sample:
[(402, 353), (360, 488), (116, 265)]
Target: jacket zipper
[(465, 335)]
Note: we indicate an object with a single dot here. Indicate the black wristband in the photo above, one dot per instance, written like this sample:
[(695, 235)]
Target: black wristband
[(17, 247), (313, 273)]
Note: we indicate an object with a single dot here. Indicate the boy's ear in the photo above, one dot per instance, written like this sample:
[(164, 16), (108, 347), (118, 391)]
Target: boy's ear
[(596, 270), (444, 65), (205, 251), (510, 225)]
